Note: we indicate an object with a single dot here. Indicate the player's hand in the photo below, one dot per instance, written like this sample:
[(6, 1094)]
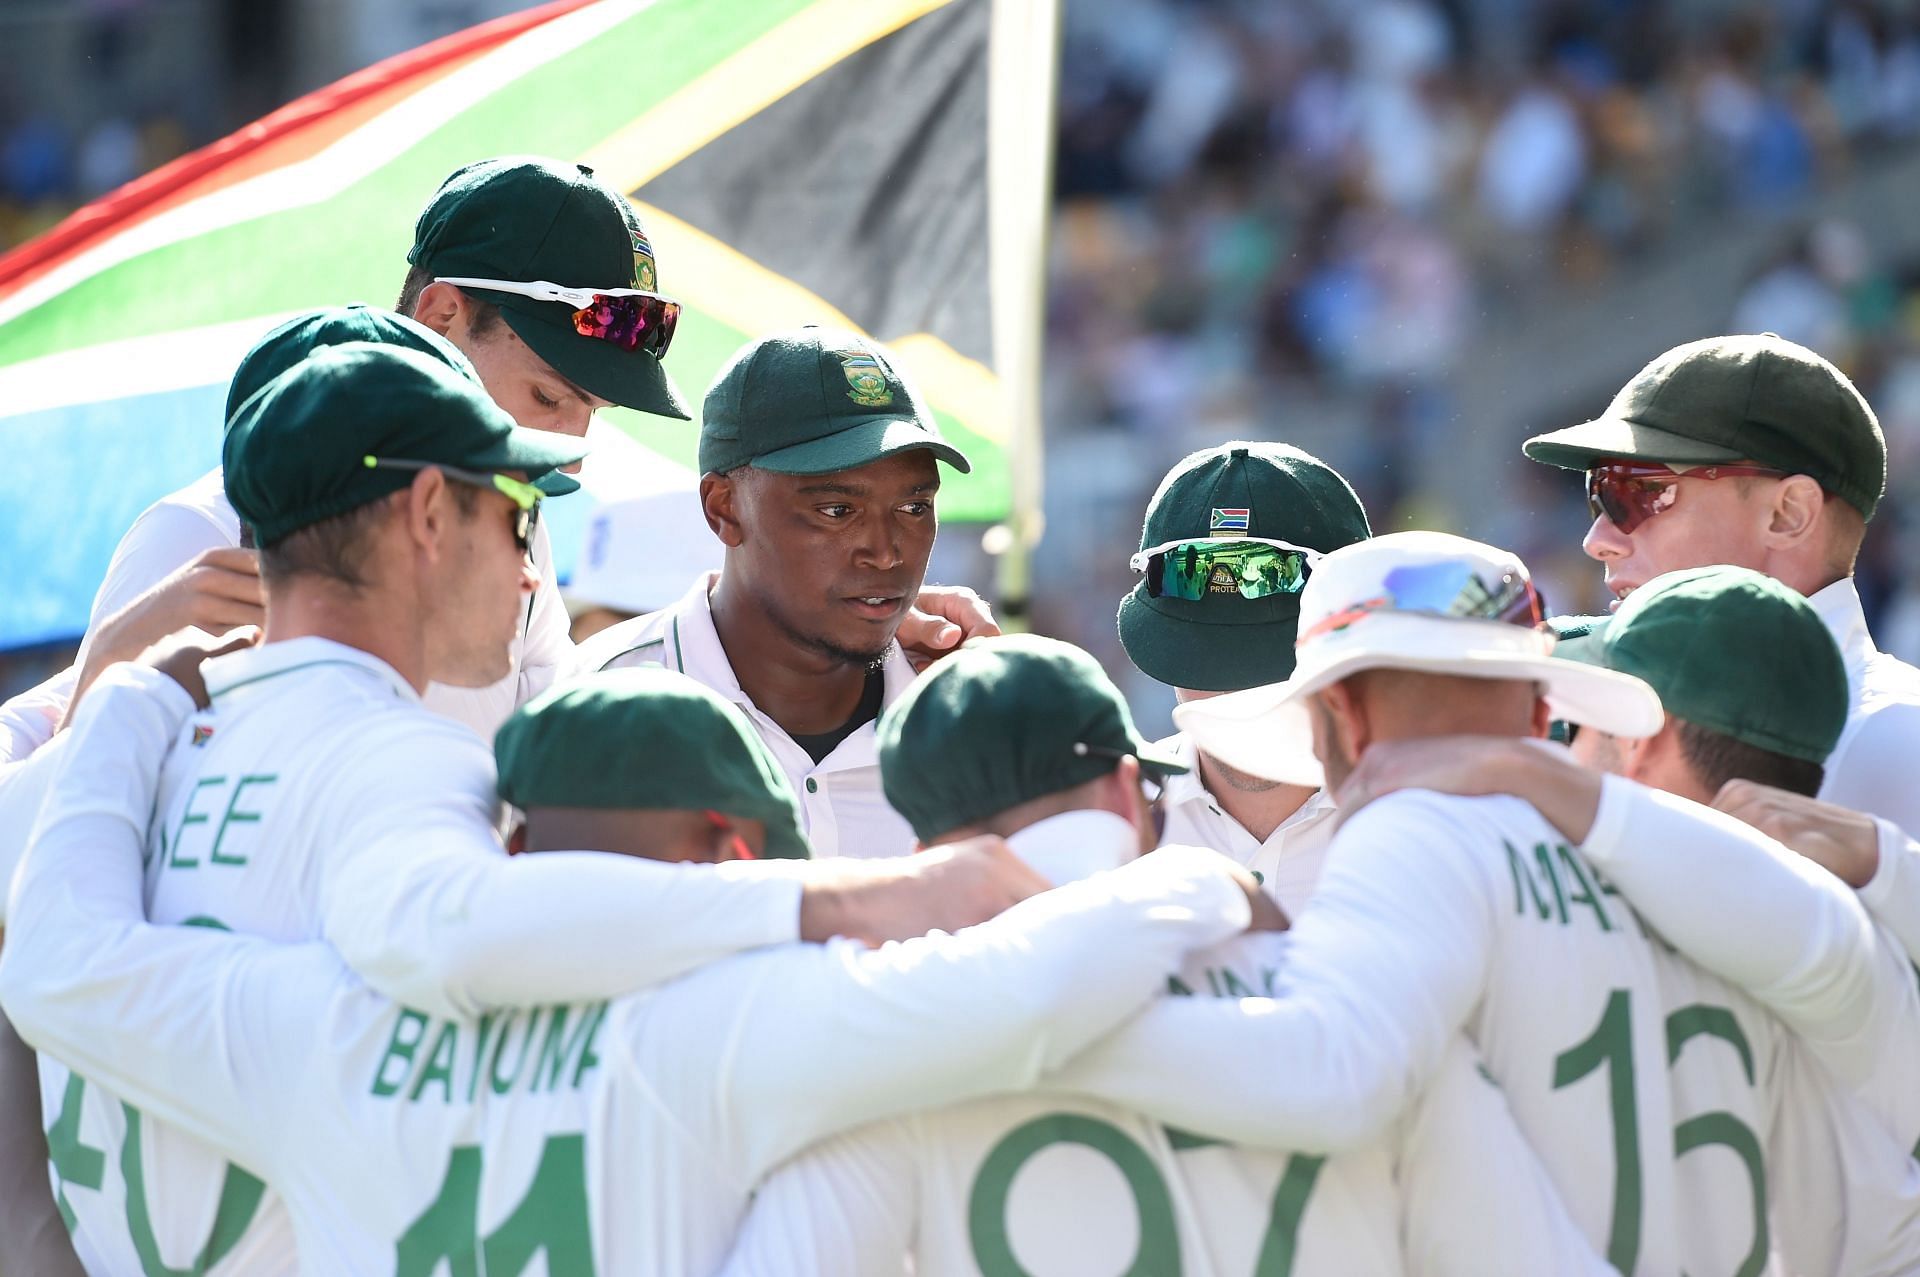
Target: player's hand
[(217, 591), (945, 888), (180, 656), (1844, 842), (1267, 913), (941, 619)]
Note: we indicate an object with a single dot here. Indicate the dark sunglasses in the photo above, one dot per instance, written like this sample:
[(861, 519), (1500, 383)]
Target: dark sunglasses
[(1445, 589), (630, 318), (1628, 493), (525, 497), (1252, 567)]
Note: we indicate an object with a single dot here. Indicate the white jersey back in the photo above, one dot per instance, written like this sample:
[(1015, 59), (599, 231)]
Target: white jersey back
[(254, 810)]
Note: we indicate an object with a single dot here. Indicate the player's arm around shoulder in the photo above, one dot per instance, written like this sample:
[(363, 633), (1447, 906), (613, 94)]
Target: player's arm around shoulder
[(833, 1036), (846, 1207)]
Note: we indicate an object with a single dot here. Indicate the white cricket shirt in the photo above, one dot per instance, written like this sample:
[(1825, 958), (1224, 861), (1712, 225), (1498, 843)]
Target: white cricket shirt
[(1062, 1186), (842, 809), (317, 799), (621, 1136), (1288, 861)]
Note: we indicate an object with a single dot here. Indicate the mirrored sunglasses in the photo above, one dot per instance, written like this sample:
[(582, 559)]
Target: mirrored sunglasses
[(1628, 493), (630, 318), (1252, 567), (525, 497), (1446, 589)]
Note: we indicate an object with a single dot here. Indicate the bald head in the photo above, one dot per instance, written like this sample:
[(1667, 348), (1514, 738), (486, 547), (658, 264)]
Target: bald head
[(1398, 704)]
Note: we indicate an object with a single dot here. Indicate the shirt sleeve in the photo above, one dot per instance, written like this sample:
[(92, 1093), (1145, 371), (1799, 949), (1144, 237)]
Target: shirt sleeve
[(424, 903), (1874, 771), (23, 791), (1463, 1169), (28, 720), (164, 539), (1893, 893), (1792, 936), (1384, 965), (183, 1022), (847, 1207), (824, 1038)]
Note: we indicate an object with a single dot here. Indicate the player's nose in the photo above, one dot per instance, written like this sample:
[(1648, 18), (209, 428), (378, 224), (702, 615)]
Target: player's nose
[(1604, 540)]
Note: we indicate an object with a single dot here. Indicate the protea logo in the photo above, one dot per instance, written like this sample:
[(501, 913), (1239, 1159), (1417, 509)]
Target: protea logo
[(866, 383)]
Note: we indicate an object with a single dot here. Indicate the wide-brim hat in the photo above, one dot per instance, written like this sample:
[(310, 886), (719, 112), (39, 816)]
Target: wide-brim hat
[(1411, 601)]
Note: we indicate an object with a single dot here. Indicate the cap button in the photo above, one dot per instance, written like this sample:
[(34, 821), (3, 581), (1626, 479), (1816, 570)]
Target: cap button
[(584, 170), (1238, 454)]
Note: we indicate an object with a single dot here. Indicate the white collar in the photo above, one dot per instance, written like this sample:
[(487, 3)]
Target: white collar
[(1076, 844), (223, 674), (1838, 606)]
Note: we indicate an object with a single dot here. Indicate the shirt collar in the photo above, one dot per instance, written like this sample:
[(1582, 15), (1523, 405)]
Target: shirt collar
[(704, 659), (225, 673), (1839, 606)]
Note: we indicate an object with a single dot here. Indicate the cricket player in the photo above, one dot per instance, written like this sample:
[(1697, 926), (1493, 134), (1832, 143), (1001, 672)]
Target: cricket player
[(819, 469), (318, 798), (1437, 914), (1757, 452), (1228, 541), (1755, 692), (617, 1136), (1026, 737)]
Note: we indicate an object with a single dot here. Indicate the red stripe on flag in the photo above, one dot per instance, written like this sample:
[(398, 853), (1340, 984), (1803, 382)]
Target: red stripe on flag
[(219, 164)]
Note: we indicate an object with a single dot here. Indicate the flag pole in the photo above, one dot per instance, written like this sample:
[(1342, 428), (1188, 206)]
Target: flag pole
[(1023, 62)]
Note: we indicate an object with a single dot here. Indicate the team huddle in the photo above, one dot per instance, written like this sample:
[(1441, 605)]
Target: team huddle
[(361, 922)]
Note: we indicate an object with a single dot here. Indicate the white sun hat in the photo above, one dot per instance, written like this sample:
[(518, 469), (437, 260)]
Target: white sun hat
[(1415, 601), (642, 552)]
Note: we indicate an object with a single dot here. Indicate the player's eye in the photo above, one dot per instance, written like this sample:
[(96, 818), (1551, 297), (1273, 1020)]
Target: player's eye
[(835, 511), (543, 399)]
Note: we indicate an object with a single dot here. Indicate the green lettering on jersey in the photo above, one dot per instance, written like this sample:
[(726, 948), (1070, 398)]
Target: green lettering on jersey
[(439, 1066), (1177, 988), (188, 816), (1523, 877), (1236, 987), (488, 1021), (235, 816), (240, 1195), (1159, 1252), (1281, 1245), (1585, 895), (501, 1085), (75, 1162), (1702, 1020), (551, 1217), (408, 1030), (558, 1046)]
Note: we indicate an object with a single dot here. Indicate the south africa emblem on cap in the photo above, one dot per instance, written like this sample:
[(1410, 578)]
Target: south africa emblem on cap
[(1231, 521), (643, 272), (866, 384)]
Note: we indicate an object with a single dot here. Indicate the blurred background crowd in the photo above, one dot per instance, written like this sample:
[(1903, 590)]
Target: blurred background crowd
[(1403, 234)]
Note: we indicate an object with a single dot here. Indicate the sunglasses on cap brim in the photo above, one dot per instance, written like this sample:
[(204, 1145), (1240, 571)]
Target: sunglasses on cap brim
[(1454, 591), (630, 318), (525, 497), (1252, 567), (1628, 493)]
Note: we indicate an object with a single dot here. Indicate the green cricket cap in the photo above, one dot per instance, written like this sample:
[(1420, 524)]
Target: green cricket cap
[(1733, 651), (525, 219), (1223, 642), (815, 401), (1759, 398), (641, 739), (296, 451), (1000, 722)]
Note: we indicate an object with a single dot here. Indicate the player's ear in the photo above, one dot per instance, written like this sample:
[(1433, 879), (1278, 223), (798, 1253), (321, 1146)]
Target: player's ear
[(1795, 513), (428, 508), (438, 306), (720, 502)]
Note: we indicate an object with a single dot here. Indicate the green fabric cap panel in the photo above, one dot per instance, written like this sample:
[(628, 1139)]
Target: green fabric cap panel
[(524, 219), (645, 739), (997, 724), (295, 453), (300, 336), (1223, 642), (1760, 398), (1736, 652), (814, 401)]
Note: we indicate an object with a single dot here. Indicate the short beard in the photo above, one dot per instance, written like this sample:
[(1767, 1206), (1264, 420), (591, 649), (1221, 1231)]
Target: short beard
[(1240, 781), (826, 647)]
